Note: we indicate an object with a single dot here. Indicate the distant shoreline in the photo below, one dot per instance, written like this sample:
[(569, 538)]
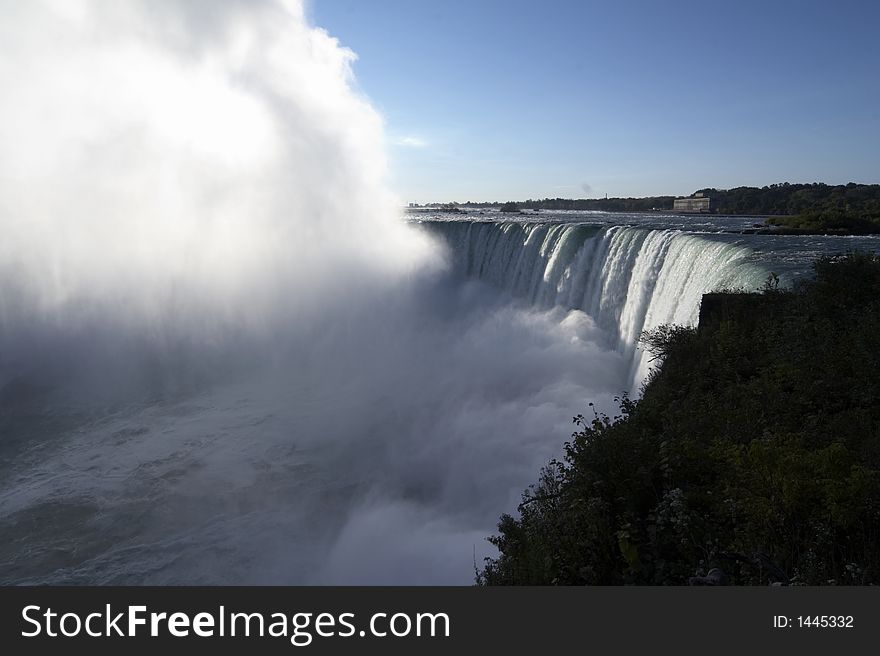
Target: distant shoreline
[(464, 209), (764, 228), (796, 209)]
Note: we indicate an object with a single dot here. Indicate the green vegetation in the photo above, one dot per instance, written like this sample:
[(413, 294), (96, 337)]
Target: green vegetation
[(796, 199), (830, 220), (807, 208), (755, 449), (794, 208)]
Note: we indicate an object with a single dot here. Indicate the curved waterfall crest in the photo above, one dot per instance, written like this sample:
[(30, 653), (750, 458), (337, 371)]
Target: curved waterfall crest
[(626, 279)]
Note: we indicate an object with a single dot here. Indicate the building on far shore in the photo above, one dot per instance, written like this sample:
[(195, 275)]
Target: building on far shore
[(699, 202)]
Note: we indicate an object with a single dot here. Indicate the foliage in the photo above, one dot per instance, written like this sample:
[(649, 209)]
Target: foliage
[(755, 448), (797, 199), (810, 207), (831, 220)]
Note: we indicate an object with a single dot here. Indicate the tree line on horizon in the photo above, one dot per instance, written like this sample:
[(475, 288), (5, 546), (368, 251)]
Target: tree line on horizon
[(850, 208)]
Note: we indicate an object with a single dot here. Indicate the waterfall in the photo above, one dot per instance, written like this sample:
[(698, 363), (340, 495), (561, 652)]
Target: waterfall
[(626, 279)]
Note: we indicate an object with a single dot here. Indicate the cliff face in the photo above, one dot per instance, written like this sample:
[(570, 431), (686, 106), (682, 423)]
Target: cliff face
[(754, 451)]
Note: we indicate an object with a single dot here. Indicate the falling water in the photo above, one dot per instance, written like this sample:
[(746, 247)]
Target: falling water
[(628, 280), (223, 356)]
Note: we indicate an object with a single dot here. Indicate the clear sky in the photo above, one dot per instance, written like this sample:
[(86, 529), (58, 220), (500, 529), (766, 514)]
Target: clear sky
[(514, 99)]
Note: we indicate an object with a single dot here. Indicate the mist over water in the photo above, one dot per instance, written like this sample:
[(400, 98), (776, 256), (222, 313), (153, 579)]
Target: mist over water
[(224, 358), (628, 279)]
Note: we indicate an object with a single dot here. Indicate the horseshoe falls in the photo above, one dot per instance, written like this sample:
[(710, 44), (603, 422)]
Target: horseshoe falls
[(225, 358), (373, 441), (627, 279)]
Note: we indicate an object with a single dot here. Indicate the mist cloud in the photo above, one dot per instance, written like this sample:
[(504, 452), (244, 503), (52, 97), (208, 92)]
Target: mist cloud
[(224, 358)]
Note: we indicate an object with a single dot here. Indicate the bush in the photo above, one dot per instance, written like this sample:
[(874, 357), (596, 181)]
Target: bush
[(754, 449)]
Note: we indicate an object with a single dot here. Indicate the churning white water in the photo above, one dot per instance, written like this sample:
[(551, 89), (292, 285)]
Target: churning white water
[(628, 280), (224, 358)]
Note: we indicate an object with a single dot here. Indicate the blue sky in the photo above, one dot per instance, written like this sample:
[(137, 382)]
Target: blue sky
[(507, 99)]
